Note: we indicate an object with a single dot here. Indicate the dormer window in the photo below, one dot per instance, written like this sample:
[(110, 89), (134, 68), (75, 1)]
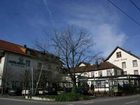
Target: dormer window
[(118, 54)]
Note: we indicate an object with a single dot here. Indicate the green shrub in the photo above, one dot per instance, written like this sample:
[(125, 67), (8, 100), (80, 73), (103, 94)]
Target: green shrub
[(70, 97)]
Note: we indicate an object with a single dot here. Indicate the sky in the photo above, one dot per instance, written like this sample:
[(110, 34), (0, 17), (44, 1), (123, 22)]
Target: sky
[(28, 21)]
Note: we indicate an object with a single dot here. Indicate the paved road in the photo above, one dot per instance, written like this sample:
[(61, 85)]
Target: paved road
[(127, 100)]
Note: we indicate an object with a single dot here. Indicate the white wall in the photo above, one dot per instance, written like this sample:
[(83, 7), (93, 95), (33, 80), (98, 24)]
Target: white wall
[(104, 72), (1, 68), (16, 71), (85, 74), (125, 58), (96, 73), (82, 65), (101, 89)]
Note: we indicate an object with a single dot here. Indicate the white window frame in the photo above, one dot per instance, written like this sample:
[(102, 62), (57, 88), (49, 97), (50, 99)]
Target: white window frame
[(100, 74), (108, 72), (125, 72), (135, 72), (118, 54), (123, 65), (135, 63)]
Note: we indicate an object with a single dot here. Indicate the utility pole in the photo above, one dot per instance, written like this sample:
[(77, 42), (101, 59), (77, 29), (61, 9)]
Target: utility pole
[(32, 76)]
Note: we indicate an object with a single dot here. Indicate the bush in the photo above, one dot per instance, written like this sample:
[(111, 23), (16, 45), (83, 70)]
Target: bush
[(70, 97)]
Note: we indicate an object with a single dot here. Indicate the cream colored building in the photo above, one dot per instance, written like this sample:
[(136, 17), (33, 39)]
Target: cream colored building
[(96, 75), (121, 67), (129, 62), (104, 69), (19, 64)]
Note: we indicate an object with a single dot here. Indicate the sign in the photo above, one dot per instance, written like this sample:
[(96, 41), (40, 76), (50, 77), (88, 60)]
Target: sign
[(122, 59), (20, 62)]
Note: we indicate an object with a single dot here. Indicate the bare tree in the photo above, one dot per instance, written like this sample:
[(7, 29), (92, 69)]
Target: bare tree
[(41, 46), (73, 46)]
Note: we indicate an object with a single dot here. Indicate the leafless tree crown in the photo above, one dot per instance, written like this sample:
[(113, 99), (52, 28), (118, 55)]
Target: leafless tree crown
[(72, 46)]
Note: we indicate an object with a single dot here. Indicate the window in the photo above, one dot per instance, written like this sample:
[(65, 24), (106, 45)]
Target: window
[(0, 60), (39, 65), (123, 65), (49, 66), (15, 84), (28, 63), (28, 53), (1, 55), (118, 54), (136, 72), (100, 84), (108, 73), (135, 64), (100, 73), (125, 72), (92, 74)]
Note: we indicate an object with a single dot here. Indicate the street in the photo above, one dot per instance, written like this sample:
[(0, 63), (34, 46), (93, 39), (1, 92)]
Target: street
[(125, 100)]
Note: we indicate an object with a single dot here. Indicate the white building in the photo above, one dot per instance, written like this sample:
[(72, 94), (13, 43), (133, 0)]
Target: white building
[(18, 62), (98, 75), (104, 69), (120, 68), (129, 62)]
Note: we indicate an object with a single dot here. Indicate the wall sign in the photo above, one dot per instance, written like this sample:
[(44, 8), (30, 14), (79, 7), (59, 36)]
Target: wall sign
[(122, 59), (19, 62)]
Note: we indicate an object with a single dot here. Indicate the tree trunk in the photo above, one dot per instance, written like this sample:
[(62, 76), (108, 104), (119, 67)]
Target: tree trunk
[(74, 88)]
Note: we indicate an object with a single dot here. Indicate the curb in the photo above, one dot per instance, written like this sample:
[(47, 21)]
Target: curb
[(39, 98)]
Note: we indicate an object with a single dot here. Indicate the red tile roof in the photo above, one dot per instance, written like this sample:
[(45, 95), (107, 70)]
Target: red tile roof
[(18, 49), (11, 47), (101, 66)]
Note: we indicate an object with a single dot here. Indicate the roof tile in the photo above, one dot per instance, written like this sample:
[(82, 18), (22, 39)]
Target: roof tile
[(101, 66), (11, 47)]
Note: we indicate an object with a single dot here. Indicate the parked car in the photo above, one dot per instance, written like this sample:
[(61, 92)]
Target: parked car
[(14, 92)]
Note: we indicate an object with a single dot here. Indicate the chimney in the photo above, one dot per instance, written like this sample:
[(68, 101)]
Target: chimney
[(44, 52), (25, 46)]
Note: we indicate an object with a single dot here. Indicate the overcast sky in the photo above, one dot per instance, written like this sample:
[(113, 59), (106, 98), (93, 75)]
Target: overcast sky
[(24, 21)]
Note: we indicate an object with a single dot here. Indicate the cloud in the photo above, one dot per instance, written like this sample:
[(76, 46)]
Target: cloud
[(103, 24), (107, 38)]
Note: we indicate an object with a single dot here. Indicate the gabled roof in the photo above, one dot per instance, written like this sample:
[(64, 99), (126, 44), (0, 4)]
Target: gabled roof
[(101, 66), (122, 50), (6, 46), (11, 47)]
